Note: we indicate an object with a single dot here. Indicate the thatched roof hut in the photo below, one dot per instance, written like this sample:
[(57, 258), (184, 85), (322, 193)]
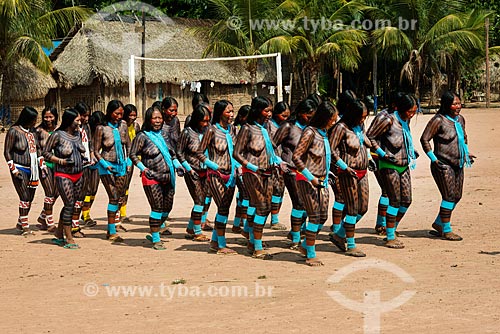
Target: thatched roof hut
[(27, 83), (91, 65), (26, 86), (101, 49)]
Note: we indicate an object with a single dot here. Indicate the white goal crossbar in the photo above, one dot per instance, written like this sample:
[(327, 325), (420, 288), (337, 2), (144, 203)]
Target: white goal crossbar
[(279, 75)]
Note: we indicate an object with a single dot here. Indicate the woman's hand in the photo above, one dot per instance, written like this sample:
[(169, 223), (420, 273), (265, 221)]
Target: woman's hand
[(194, 175), (351, 172), (440, 165), (284, 167), (180, 171), (372, 165), (390, 158), (18, 175), (318, 183), (148, 174)]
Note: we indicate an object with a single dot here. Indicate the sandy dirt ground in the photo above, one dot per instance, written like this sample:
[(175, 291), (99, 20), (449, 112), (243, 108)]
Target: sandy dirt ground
[(453, 287)]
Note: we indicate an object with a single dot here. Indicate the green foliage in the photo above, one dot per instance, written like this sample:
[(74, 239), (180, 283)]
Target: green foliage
[(493, 5), (172, 8)]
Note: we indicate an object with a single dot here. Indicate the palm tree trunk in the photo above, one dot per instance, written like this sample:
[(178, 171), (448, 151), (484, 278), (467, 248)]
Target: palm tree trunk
[(253, 81), (432, 102), (314, 77)]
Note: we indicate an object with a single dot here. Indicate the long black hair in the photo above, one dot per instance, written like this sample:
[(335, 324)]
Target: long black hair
[(68, 118), (346, 99), (446, 102), (219, 108), (280, 108), (354, 113), (259, 103), (148, 115), (394, 96), (315, 98), (168, 102), (53, 111), (27, 117), (405, 102), (82, 108), (304, 107), (198, 115), (326, 110), (127, 110), (243, 112), (97, 118), (112, 106), (198, 98)]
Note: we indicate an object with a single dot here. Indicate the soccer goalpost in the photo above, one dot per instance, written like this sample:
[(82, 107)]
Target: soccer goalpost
[(279, 75)]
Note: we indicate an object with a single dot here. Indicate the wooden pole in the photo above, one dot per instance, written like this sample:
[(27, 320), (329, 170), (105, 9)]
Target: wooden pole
[(143, 64), (375, 79), (488, 97)]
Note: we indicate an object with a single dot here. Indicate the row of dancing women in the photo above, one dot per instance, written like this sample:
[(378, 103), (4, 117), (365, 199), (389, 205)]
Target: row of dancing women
[(265, 149)]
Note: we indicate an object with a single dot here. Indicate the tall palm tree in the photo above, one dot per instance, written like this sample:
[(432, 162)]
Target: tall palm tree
[(316, 43), (444, 33), (26, 27)]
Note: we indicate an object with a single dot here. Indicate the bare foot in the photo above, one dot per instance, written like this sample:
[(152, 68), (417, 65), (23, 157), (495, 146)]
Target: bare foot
[(355, 252), (201, 238), (262, 255), (279, 227), (452, 236), (226, 251), (394, 244), (114, 238), (314, 262)]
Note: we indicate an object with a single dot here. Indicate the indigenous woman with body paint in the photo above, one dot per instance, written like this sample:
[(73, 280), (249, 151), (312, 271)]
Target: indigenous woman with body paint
[(348, 145), (172, 128), (158, 165), (312, 158), (391, 139), (169, 107), (344, 103), (92, 182), (196, 173), (255, 152), (130, 117), (20, 152), (448, 159), (219, 141), (84, 131), (242, 197), (43, 132), (281, 112), (65, 149), (111, 147), (383, 202), (287, 137)]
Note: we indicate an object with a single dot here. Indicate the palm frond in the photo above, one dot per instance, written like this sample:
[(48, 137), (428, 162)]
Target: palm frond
[(28, 48)]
